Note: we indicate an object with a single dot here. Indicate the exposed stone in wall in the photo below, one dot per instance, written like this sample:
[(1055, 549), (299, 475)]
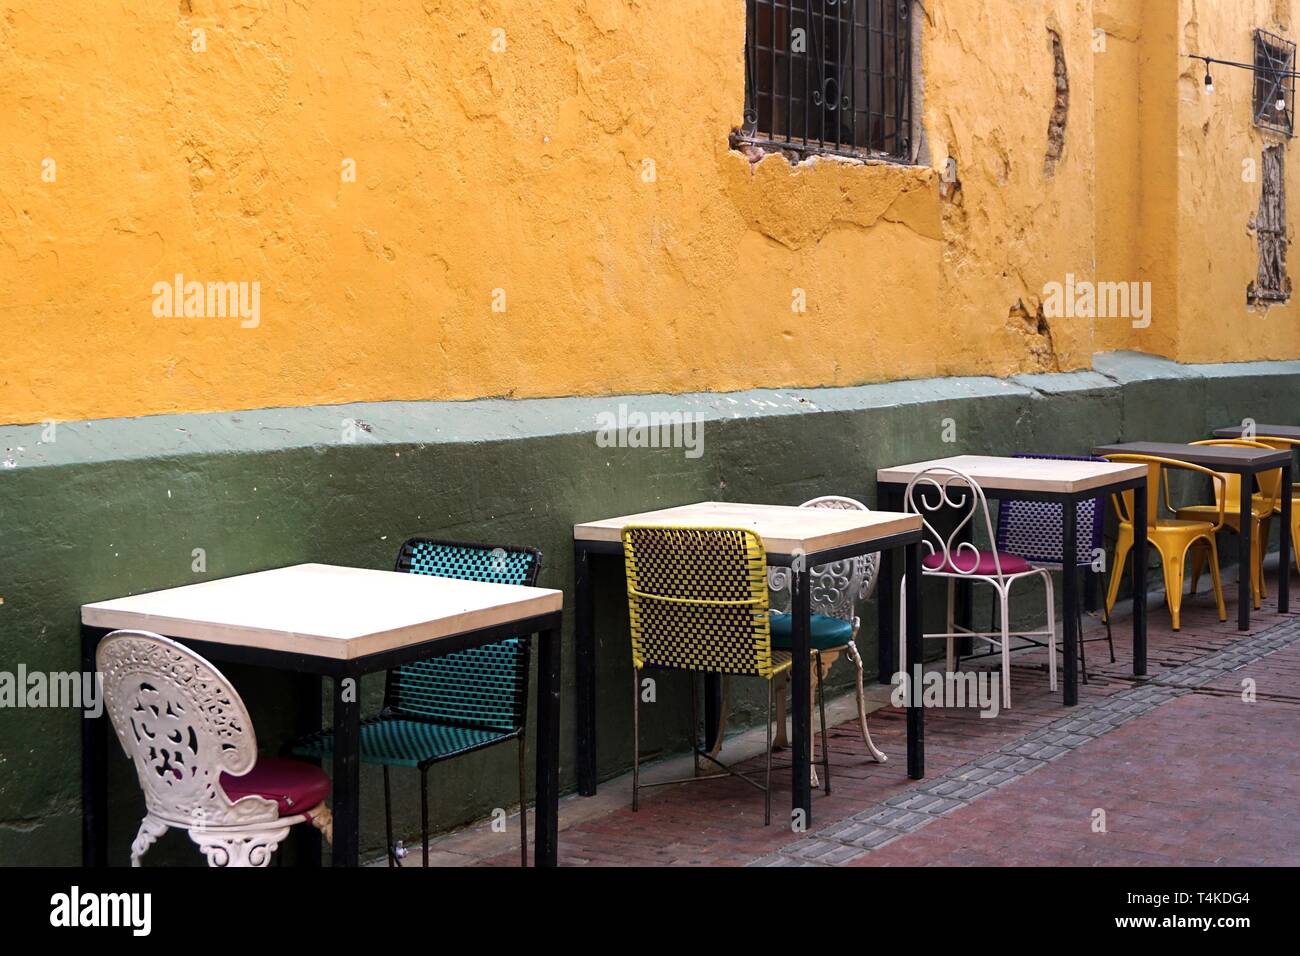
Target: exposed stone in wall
[(1037, 333), (1060, 109), (1269, 225)]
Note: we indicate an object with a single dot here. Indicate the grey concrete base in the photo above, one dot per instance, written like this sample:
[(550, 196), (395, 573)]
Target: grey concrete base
[(114, 507)]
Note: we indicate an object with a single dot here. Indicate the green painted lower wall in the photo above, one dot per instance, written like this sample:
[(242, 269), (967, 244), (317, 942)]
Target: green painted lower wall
[(116, 507)]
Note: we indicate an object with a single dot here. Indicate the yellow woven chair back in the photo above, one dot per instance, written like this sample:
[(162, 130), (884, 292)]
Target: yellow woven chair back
[(697, 598)]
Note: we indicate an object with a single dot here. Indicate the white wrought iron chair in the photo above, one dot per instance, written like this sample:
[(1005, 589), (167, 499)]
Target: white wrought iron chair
[(834, 590), (937, 489), (187, 732)]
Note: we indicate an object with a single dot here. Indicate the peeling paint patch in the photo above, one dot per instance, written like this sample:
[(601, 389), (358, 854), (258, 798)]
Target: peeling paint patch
[(1060, 108)]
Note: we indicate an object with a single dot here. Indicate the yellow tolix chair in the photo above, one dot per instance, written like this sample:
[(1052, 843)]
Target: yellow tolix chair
[(697, 601), (1263, 503), (1171, 537), (1286, 444)]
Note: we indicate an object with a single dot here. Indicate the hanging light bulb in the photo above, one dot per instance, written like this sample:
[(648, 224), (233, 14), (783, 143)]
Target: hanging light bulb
[(1209, 80), (1281, 104)]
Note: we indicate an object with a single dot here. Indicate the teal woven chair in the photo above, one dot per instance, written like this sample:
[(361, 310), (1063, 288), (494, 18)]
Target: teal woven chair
[(453, 704)]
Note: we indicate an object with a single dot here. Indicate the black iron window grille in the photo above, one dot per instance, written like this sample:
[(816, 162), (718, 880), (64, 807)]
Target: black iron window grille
[(829, 76), (1274, 100)]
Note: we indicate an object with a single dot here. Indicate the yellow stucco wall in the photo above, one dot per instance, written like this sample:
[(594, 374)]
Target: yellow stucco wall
[(524, 171), (1218, 253)]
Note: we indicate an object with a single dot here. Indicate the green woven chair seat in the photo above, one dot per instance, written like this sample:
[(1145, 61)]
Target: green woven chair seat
[(399, 742)]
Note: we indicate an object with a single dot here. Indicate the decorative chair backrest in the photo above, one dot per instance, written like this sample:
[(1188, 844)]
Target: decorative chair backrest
[(697, 599), (182, 725), (1032, 529), (834, 588), (480, 687), (941, 489)]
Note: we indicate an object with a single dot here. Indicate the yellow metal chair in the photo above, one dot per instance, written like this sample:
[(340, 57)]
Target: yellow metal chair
[(697, 601), (1286, 444), (1171, 537), (1263, 503)]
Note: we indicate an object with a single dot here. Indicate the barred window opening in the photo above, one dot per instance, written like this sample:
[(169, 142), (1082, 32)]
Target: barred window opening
[(1274, 98), (829, 76)]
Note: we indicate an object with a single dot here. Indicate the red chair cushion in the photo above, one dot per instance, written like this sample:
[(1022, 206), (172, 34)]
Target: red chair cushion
[(294, 785), (1011, 563)]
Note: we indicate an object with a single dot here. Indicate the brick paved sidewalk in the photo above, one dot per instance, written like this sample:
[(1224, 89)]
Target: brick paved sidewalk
[(1185, 771)]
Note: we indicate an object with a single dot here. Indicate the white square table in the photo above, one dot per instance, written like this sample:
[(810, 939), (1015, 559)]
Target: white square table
[(797, 538), (1063, 481), (326, 621)]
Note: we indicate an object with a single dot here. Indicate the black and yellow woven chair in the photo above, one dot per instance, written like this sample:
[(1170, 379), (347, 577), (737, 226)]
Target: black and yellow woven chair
[(697, 599), (454, 704)]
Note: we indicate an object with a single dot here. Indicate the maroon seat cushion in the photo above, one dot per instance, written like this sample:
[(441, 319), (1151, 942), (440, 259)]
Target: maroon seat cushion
[(294, 785), (1011, 563)]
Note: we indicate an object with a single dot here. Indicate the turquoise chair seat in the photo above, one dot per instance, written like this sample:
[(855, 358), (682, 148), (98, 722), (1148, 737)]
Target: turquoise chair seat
[(401, 742), (827, 632)]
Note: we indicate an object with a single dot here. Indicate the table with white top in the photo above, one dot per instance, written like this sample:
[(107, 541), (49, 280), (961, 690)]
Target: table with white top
[(796, 538), (1066, 482), (325, 621)]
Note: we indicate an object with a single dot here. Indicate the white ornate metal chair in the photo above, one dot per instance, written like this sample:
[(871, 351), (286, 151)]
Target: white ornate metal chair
[(938, 489), (187, 732), (834, 590)]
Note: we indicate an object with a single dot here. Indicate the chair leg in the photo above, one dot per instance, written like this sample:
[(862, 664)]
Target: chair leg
[(1214, 579), (523, 803), (150, 830), (782, 738), (1173, 572), (1006, 649), (1258, 544), (767, 779), (952, 618), (862, 705), (1123, 545), (1051, 623), (695, 724), (636, 739), (424, 815), (722, 716), (821, 705), (388, 821)]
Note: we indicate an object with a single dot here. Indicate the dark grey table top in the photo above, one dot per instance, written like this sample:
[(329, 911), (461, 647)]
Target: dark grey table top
[(1228, 458), (1266, 431)]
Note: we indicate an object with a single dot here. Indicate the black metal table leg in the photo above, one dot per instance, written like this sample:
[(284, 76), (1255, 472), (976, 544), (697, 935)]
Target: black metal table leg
[(1070, 598), (584, 639), (94, 764), (347, 769), (1245, 599), (886, 607), (1140, 580), (915, 713), (1284, 545), (308, 840), (800, 696), (547, 823)]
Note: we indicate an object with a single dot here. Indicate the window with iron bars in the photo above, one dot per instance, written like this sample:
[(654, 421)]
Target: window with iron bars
[(1274, 100), (829, 76)]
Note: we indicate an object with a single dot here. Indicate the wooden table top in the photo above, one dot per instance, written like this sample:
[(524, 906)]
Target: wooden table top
[(785, 529), (1261, 431), (1041, 475), (323, 610), (1230, 458)]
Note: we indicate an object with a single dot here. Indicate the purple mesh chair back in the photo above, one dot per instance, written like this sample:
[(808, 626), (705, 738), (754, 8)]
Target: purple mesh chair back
[(1032, 529)]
